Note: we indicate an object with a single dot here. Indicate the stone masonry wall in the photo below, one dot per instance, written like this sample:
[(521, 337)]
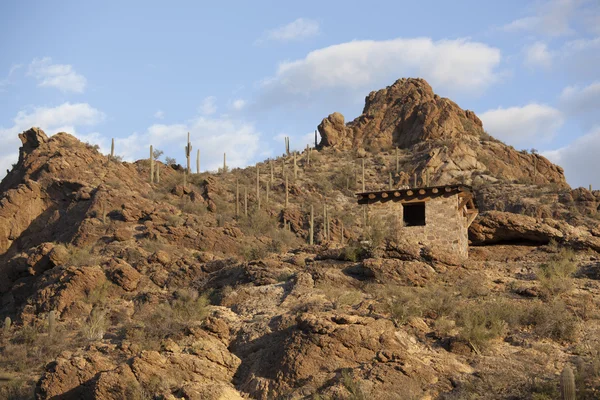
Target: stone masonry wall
[(445, 227)]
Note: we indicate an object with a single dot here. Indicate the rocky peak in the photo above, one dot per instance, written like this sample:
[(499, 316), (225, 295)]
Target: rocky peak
[(401, 115), (443, 143)]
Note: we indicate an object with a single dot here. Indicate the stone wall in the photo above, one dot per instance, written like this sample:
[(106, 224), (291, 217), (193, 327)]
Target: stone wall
[(445, 227)]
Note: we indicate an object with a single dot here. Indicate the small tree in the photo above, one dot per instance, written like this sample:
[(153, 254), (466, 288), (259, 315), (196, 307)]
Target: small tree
[(170, 161), (157, 153)]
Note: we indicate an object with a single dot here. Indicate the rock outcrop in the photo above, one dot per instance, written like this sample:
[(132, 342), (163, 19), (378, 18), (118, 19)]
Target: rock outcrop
[(446, 143)]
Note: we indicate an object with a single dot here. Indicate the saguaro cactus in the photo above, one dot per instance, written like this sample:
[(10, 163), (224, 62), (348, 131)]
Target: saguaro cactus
[(286, 192), (567, 384), (295, 167), (311, 230), (112, 149), (287, 145), (342, 233), (237, 198), (151, 165), (246, 201), (224, 162), (157, 173), (272, 171), (268, 190), (257, 187), (315, 138), (198, 161), (7, 325), (51, 322), (363, 174), (188, 152)]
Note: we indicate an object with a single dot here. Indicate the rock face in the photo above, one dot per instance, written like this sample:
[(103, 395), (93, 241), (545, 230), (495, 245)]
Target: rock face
[(446, 143)]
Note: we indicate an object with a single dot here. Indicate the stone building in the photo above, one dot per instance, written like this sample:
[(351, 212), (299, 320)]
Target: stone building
[(438, 217)]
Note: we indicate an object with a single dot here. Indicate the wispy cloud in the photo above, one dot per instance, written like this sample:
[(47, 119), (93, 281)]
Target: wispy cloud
[(60, 76), (527, 125), (238, 104), (159, 114), (9, 78), (299, 29), (208, 106), (449, 65), (66, 117), (538, 55)]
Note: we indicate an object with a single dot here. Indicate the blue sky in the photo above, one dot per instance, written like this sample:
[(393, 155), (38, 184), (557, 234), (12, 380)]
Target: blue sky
[(241, 75)]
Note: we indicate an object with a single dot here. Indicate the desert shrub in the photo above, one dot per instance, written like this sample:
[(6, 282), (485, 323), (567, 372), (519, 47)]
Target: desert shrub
[(153, 323), (378, 230), (352, 386), (153, 245), (473, 286), (551, 320), (444, 326), (80, 256), (257, 223), (254, 252), (352, 252), (95, 325), (555, 276), (99, 294), (173, 220), (403, 304), (340, 296), (479, 324), (343, 179)]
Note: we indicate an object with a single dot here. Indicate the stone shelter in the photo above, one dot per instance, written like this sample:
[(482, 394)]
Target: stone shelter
[(438, 217)]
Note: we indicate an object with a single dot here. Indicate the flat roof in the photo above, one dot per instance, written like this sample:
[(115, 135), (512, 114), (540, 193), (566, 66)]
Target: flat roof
[(417, 193)]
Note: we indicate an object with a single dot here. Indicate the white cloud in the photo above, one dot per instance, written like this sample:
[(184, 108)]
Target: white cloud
[(580, 159), (578, 100), (208, 106), (552, 18), (8, 80), (301, 28), (538, 55), (60, 76), (456, 65), (525, 125), (238, 104), (159, 114), (212, 136), (66, 117)]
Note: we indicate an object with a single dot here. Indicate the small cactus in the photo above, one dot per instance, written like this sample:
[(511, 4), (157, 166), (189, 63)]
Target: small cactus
[(188, 152), (51, 322), (151, 164), (567, 384), (7, 325), (311, 231)]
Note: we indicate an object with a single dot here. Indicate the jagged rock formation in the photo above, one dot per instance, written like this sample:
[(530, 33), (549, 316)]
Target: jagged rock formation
[(446, 142)]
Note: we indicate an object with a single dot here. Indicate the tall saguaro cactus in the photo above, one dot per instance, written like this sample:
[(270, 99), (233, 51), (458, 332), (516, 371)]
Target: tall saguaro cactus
[(311, 230), (287, 145), (567, 384), (295, 167), (257, 187), (287, 200), (198, 161), (112, 149), (188, 153), (224, 162), (151, 164), (245, 200), (237, 198), (268, 190), (363, 174), (272, 171)]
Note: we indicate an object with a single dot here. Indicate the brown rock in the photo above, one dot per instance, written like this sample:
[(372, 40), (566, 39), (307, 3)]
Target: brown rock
[(123, 274), (123, 234)]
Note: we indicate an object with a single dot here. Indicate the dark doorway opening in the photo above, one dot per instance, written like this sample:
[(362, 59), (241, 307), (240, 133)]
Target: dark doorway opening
[(414, 214)]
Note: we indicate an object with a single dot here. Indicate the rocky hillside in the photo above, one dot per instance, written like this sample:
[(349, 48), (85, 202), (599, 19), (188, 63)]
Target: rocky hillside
[(115, 287), (442, 141)]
